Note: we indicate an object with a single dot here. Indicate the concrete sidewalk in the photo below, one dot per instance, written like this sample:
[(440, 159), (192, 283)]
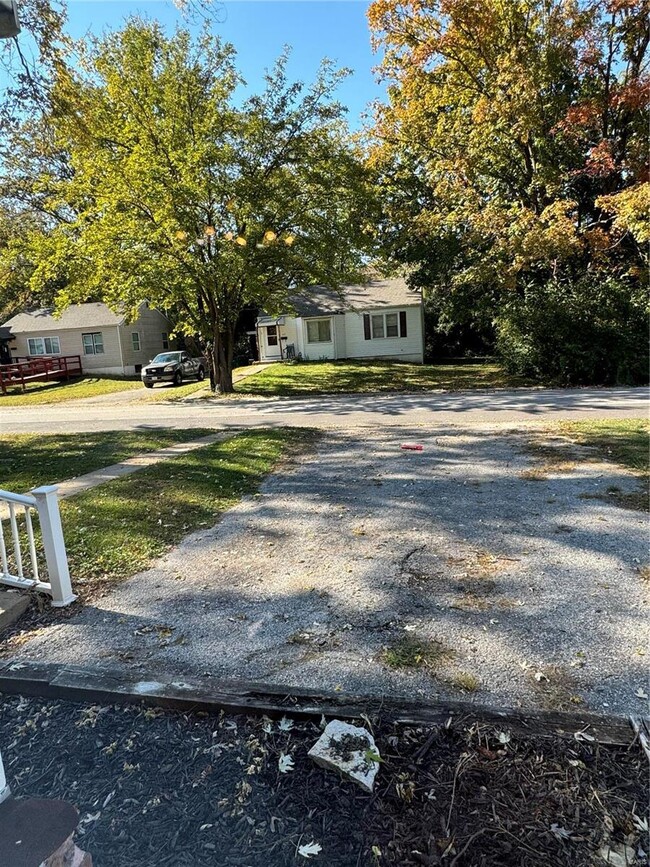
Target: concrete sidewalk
[(85, 482), (70, 487)]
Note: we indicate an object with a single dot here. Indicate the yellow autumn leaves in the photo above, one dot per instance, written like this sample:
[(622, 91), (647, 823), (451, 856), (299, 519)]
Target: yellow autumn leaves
[(269, 237)]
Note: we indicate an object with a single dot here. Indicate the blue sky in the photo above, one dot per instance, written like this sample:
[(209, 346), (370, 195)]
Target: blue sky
[(260, 28)]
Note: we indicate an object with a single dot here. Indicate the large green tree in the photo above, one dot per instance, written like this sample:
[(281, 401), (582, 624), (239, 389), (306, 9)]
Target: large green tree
[(165, 185), (513, 153), (21, 233), (28, 63)]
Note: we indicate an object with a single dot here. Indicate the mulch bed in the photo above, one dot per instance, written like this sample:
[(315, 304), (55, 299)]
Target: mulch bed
[(162, 788)]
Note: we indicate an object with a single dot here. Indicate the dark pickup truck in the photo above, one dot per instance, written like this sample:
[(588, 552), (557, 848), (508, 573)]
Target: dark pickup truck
[(173, 367)]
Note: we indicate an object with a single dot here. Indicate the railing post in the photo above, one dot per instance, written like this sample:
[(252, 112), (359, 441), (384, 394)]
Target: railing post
[(4, 788), (55, 555)]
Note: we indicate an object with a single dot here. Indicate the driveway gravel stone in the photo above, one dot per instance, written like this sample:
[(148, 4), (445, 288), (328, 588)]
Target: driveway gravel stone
[(530, 588)]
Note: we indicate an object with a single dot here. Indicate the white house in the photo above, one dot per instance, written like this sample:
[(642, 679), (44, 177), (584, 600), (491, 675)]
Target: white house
[(106, 342), (377, 319)]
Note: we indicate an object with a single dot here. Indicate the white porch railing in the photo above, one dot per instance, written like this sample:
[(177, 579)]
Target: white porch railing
[(4, 787), (23, 569)]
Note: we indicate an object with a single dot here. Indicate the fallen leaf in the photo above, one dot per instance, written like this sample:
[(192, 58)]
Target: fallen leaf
[(285, 725), (90, 817), (560, 833), (608, 823), (371, 756), (308, 850), (640, 693), (285, 763), (405, 790), (504, 737), (489, 754), (617, 854), (641, 824)]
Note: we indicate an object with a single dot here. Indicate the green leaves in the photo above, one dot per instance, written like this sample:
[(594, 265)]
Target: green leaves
[(177, 193), (509, 152)]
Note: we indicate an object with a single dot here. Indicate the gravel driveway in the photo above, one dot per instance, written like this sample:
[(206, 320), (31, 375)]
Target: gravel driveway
[(366, 568)]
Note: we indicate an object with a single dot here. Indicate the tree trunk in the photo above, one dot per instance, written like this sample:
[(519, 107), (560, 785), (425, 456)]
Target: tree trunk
[(221, 361)]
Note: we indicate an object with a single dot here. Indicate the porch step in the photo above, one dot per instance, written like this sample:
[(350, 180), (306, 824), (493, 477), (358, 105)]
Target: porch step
[(12, 606)]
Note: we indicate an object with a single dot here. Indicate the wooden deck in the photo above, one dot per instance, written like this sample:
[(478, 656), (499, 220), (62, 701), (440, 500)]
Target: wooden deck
[(55, 367)]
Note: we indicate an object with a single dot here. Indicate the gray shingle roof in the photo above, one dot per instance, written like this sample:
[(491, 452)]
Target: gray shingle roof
[(319, 300), (91, 315)]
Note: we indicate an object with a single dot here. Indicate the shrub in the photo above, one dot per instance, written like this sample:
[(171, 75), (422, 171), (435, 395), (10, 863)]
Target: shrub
[(591, 331)]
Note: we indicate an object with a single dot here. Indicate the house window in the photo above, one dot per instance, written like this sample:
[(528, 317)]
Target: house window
[(43, 346), (392, 325), (135, 340), (165, 340), (377, 326), (272, 335), (93, 343), (319, 331)]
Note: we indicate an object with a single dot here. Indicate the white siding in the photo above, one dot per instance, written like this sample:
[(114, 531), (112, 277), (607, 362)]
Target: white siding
[(291, 332), (109, 361), (340, 343), (409, 348), (317, 351), (300, 336), (348, 340), (267, 352), (150, 325), (119, 358)]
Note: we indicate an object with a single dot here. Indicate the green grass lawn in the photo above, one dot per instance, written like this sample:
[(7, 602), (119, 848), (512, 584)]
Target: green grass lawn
[(182, 391), (57, 392), (118, 529), (177, 392), (340, 377), (623, 441), (28, 460)]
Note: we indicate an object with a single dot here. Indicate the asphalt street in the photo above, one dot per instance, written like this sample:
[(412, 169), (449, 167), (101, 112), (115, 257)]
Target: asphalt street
[(322, 411)]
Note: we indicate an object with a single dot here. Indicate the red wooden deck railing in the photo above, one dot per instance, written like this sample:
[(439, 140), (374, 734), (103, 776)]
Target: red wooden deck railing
[(42, 369)]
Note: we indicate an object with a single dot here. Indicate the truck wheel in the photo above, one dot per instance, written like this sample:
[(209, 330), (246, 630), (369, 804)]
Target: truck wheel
[(200, 374), (178, 378), (148, 385)]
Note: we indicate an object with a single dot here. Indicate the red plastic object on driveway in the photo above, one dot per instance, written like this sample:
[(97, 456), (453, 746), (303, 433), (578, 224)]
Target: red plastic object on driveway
[(412, 447)]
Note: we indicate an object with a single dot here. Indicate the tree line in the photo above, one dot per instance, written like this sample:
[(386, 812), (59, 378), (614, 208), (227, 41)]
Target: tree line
[(506, 174)]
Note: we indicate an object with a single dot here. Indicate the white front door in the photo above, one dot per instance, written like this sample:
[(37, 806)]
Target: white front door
[(272, 341)]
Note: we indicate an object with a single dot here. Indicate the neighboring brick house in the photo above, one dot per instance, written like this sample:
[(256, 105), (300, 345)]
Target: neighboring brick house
[(106, 342), (378, 319)]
